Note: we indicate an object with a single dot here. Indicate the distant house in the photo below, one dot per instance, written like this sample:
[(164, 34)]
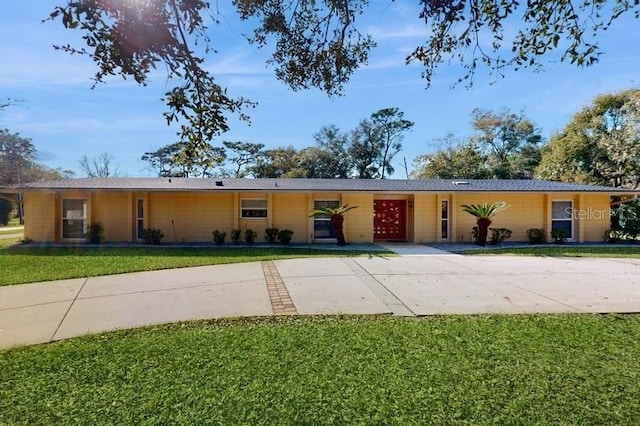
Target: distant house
[(420, 211)]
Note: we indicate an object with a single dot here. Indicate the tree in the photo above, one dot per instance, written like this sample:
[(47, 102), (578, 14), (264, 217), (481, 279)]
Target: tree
[(330, 158), (17, 165), (510, 142), (99, 166), (177, 160), (457, 161), (504, 146), (484, 212), (278, 162), (6, 207), (241, 155), (316, 43), (600, 145), (390, 126), (376, 141)]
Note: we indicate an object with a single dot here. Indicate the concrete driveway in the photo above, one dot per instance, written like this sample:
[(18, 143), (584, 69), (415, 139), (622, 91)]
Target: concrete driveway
[(428, 282)]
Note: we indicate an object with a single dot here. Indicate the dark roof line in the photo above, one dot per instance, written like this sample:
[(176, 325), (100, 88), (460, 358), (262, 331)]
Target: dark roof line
[(318, 185)]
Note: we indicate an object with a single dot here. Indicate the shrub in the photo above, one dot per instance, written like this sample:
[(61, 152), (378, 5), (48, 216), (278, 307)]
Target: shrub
[(235, 235), (26, 240), (498, 235), (536, 236), (474, 234), (559, 236), (95, 233), (152, 236), (6, 207), (285, 236), (250, 235), (270, 234), (219, 237)]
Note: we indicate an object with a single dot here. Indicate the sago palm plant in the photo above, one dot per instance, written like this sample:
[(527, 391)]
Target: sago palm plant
[(336, 216), (484, 212)]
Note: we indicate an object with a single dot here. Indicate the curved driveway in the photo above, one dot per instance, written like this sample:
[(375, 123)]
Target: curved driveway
[(428, 282)]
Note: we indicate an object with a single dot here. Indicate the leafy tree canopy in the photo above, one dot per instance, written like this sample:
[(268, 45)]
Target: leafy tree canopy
[(505, 145), (600, 145), (316, 43)]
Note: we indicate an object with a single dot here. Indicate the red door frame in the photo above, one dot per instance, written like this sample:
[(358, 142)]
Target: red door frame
[(390, 220)]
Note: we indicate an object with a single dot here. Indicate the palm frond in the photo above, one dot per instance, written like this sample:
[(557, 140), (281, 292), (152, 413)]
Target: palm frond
[(485, 210), (328, 211)]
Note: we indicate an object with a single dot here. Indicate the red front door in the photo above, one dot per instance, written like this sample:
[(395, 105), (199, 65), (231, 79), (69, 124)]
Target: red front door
[(390, 220)]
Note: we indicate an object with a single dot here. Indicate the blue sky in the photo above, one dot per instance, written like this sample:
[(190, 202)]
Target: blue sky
[(66, 119)]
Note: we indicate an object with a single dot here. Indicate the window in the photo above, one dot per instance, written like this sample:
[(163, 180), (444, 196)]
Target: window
[(444, 220), (561, 213), (74, 218), (253, 209), (322, 228), (139, 219)]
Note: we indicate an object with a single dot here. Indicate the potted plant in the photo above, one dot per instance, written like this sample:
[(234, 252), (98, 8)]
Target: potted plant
[(336, 216), (285, 235), (95, 233), (484, 212), (219, 237), (271, 234)]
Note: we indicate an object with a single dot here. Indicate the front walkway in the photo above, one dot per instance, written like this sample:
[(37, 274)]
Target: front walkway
[(413, 285)]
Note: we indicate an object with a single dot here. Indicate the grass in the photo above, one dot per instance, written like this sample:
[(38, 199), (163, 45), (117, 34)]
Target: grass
[(33, 264), (4, 231), (565, 369), (563, 251)]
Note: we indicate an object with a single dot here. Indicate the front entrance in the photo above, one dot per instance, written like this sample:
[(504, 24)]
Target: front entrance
[(390, 220)]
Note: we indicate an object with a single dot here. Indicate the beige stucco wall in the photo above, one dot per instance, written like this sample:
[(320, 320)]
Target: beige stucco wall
[(291, 211), (426, 221), (358, 223), (189, 217), (113, 210), (534, 211), (525, 211), (39, 216)]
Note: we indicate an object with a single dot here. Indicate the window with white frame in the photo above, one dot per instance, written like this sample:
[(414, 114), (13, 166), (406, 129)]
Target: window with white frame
[(253, 208), (322, 227), (444, 220), (74, 218), (561, 218), (140, 219)]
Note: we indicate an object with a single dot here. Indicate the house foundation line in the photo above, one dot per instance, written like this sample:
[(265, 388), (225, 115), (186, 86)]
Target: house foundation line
[(281, 302)]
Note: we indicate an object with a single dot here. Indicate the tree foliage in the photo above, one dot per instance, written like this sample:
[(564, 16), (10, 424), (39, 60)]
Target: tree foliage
[(376, 141), (504, 146), (316, 43), (509, 34), (180, 160), (601, 144)]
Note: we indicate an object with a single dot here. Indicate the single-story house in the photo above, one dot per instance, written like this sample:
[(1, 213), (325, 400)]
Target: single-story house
[(420, 211)]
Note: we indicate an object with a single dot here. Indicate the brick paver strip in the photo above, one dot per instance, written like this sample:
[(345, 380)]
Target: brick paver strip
[(280, 299)]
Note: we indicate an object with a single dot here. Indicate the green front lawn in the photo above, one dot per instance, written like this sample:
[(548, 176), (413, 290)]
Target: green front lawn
[(563, 251), (565, 369), (32, 264)]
